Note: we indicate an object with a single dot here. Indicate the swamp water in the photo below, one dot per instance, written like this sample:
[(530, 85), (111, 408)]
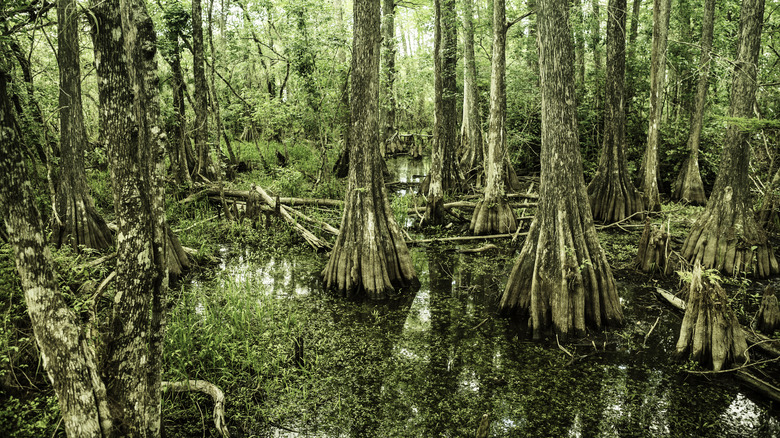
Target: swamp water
[(431, 362)]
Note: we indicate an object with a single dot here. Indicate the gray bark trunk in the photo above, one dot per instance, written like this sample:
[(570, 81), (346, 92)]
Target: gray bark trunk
[(76, 221), (492, 214), (445, 174), (370, 257), (612, 194), (649, 169), (726, 236), (689, 185), (204, 167), (387, 116), (68, 358), (471, 141), (561, 278)]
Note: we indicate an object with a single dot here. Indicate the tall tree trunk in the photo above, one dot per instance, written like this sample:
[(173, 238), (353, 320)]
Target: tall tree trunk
[(389, 44), (67, 356), (180, 142), (125, 47), (649, 169), (578, 20), (689, 185), (726, 236), (444, 176), (370, 256), (205, 168), (595, 35), (561, 277), (76, 221), (214, 100), (492, 214), (631, 57), (613, 196), (471, 142)]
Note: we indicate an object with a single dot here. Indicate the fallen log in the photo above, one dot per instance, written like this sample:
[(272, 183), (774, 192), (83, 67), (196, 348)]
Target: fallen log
[(244, 194), (760, 386), (464, 238), (767, 345), (472, 205), (317, 243), (209, 389)]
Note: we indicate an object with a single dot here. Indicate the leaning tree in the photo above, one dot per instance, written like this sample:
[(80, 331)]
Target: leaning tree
[(120, 394), (370, 256), (689, 185), (726, 235), (561, 278), (613, 196), (75, 219)]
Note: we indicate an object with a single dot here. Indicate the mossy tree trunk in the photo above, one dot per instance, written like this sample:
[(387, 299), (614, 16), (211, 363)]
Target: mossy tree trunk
[(561, 278), (726, 235), (471, 141), (613, 196), (710, 332), (444, 176), (370, 256), (67, 356), (649, 169), (76, 221), (689, 186), (493, 214), (768, 317)]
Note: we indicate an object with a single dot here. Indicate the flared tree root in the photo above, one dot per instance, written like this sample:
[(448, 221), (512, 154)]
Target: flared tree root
[(689, 187), (370, 256), (710, 332), (493, 217), (654, 254), (768, 317), (728, 239), (613, 197), (178, 261), (79, 224), (562, 278)]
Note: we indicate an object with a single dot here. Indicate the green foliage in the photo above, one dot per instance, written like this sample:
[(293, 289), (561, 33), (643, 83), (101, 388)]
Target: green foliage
[(30, 418)]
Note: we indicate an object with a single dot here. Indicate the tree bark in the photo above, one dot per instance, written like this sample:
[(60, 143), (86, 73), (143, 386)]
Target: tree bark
[(710, 331), (444, 176), (68, 358), (125, 48), (631, 57), (613, 196), (561, 278), (214, 99), (370, 257), (76, 221), (689, 186), (578, 19), (204, 168), (649, 169), (726, 236), (387, 115), (492, 214), (471, 141)]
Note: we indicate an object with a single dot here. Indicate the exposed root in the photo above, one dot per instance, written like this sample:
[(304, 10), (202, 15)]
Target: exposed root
[(495, 217), (689, 186), (77, 222), (209, 389), (726, 237), (710, 332), (768, 318), (653, 249), (613, 197)]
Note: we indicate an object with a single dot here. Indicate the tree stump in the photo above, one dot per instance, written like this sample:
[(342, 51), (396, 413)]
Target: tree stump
[(710, 332), (653, 247), (768, 318)]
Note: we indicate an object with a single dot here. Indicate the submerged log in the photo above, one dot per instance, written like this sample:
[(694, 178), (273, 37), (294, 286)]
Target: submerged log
[(653, 249), (311, 239), (710, 332), (768, 319)]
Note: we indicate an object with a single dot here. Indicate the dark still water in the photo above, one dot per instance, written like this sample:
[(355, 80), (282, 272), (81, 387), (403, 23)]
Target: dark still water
[(432, 362)]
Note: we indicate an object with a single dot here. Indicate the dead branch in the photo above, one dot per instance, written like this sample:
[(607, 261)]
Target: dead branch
[(462, 238)]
